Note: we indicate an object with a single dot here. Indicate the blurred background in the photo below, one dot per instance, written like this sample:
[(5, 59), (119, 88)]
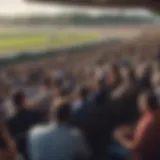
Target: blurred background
[(93, 65)]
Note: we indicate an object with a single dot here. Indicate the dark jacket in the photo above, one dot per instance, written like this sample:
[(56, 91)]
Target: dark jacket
[(19, 125)]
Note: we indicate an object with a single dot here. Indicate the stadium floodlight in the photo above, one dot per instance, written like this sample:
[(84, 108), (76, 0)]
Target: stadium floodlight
[(150, 4)]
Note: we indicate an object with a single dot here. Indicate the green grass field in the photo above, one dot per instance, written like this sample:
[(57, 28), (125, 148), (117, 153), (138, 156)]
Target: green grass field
[(18, 41)]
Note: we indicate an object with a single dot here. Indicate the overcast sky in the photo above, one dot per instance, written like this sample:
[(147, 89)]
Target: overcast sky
[(22, 7), (15, 7)]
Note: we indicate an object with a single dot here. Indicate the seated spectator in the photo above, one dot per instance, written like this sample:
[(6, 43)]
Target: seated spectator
[(20, 123), (58, 140), (145, 141)]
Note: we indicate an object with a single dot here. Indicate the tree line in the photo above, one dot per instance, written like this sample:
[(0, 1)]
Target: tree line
[(78, 19)]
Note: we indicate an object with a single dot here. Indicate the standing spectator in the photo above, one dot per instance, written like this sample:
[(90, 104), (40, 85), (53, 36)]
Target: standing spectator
[(58, 141), (20, 123), (146, 139)]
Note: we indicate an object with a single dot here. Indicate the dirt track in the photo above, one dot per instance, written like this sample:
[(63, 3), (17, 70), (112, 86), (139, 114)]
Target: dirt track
[(120, 32)]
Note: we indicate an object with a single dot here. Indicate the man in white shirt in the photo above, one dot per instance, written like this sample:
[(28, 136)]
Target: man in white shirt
[(58, 141)]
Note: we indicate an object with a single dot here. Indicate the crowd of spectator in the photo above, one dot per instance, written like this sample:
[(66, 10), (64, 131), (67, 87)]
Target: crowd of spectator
[(99, 105)]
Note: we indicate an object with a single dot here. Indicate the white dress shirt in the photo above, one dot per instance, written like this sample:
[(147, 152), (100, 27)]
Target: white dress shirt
[(57, 142)]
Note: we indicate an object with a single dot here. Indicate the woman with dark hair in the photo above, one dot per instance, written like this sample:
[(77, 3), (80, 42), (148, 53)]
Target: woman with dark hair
[(144, 143)]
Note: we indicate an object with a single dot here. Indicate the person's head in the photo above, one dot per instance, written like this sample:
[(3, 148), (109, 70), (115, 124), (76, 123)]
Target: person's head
[(65, 91), (19, 100), (83, 92), (100, 62), (148, 102), (61, 111), (80, 93)]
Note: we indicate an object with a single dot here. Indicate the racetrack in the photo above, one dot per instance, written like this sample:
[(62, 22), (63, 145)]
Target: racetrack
[(24, 41), (22, 38)]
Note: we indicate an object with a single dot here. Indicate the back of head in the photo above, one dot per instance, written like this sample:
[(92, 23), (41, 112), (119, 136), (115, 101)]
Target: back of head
[(65, 91), (19, 99), (61, 111)]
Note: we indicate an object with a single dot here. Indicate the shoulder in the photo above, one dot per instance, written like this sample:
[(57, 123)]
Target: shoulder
[(39, 131)]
